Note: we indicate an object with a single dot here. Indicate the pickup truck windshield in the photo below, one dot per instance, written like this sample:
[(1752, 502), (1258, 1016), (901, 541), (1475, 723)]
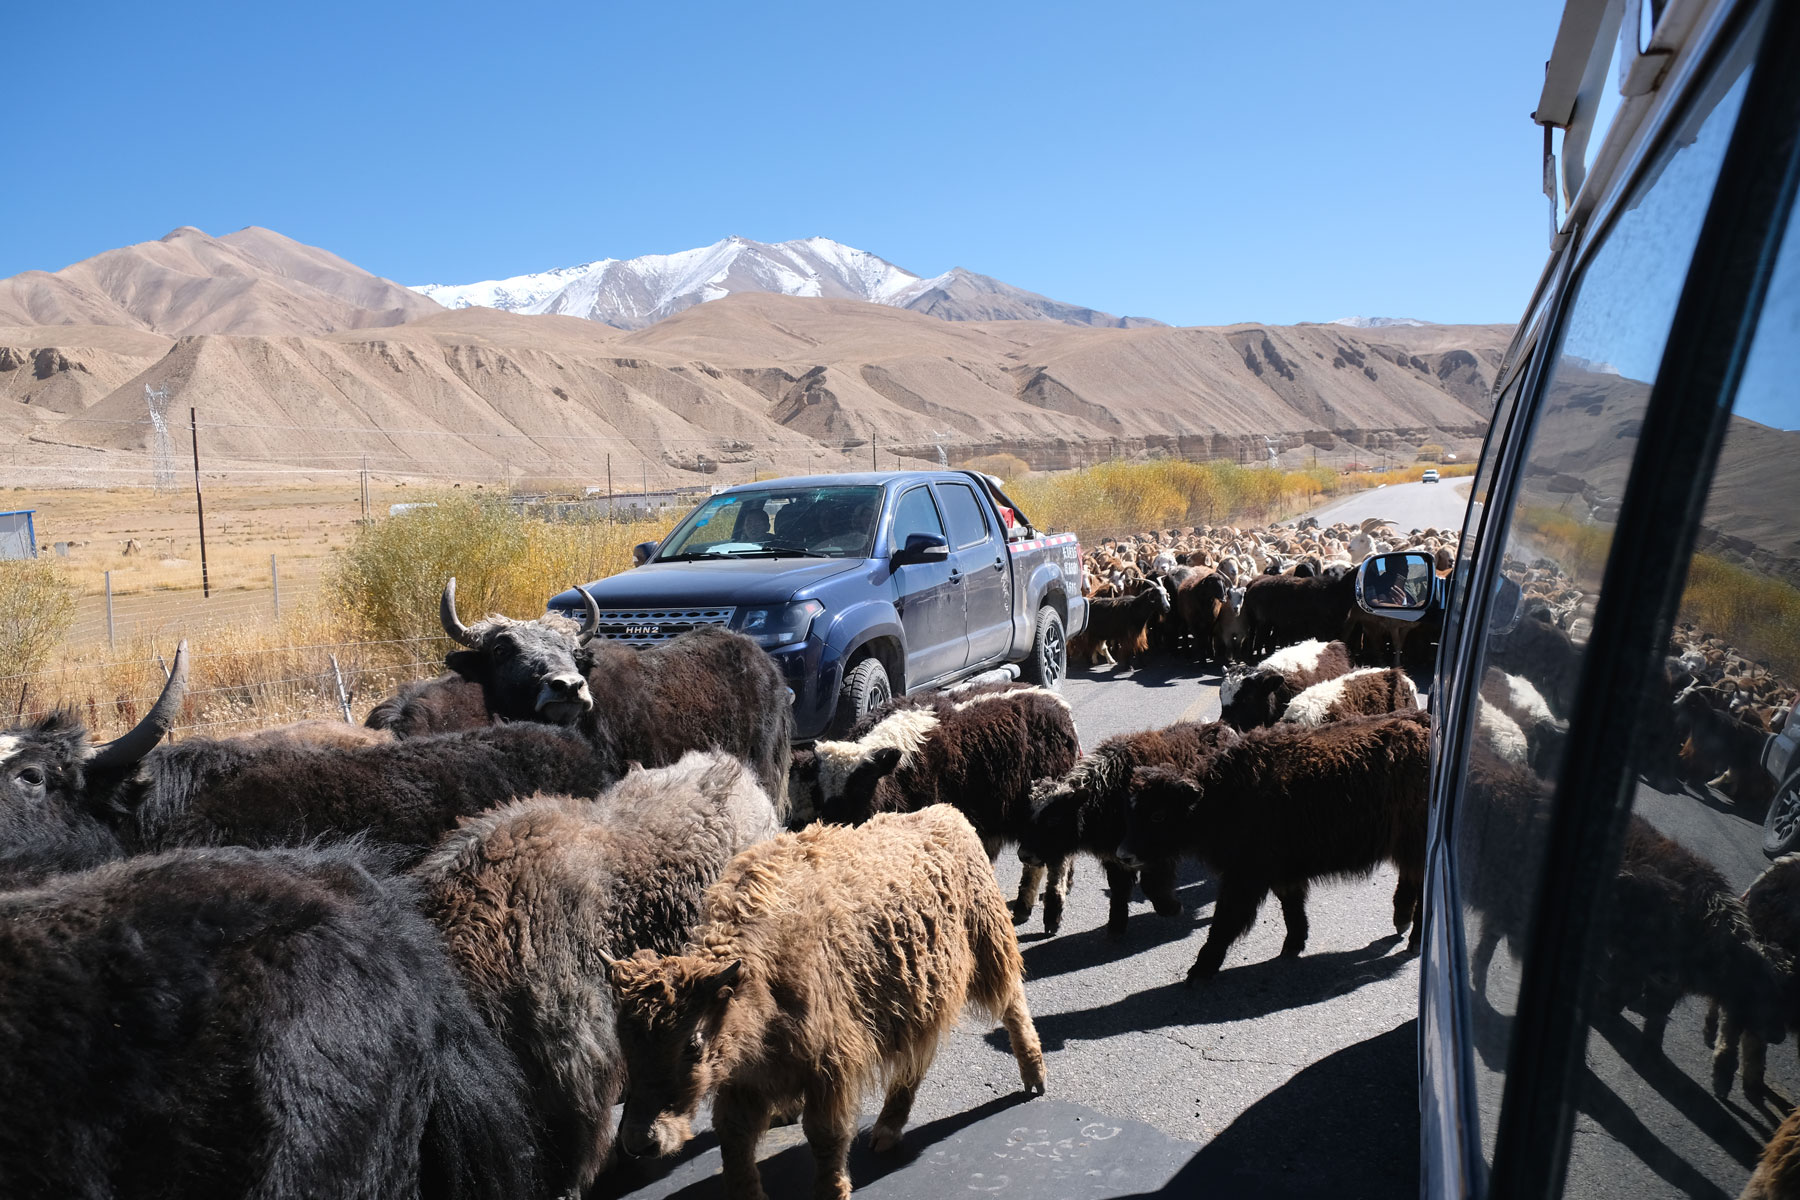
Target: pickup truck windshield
[(813, 522)]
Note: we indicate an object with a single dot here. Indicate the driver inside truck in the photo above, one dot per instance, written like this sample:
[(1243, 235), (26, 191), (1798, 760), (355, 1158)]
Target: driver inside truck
[(755, 526)]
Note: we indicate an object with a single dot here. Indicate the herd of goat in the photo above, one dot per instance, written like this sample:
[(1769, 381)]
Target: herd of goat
[(429, 957)]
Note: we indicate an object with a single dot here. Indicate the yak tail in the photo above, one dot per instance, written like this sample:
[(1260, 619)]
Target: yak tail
[(479, 1143)]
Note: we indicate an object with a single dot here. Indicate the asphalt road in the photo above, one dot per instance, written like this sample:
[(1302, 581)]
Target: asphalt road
[(1408, 505), (1277, 1078)]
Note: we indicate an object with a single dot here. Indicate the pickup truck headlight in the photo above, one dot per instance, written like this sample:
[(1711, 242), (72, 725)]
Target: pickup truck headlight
[(780, 626)]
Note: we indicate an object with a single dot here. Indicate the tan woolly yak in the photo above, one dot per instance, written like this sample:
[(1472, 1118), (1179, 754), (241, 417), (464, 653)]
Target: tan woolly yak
[(833, 960), (533, 896)]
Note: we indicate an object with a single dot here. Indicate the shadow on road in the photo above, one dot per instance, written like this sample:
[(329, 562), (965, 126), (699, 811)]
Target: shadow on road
[(1346, 1127), (1153, 670), (1235, 994), (788, 1171)]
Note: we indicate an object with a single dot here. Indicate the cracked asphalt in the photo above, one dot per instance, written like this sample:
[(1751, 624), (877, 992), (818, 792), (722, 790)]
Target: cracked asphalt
[(1277, 1078)]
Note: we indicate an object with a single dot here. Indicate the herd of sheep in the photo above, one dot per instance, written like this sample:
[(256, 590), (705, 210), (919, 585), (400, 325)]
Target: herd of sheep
[(431, 956)]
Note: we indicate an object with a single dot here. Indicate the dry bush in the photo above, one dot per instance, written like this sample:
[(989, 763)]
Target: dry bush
[(37, 606), (1119, 497), (1362, 481), (1758, 615), (386, 583), (1430, 452), (1008, 468)]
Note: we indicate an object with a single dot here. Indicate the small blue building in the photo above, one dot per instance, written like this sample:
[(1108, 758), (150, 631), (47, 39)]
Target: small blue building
[(18, 537)]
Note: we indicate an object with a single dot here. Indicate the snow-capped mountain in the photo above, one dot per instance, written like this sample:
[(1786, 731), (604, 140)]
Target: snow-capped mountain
[(633, 293), (1366, 322)]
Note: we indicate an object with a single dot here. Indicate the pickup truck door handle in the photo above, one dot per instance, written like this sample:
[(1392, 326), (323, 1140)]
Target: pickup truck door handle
[(955, 575), (999, 564)]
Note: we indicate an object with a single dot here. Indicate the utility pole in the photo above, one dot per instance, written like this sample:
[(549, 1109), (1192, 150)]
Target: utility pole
[(874, 464), (609, 500), (199, 505), (645, 466)]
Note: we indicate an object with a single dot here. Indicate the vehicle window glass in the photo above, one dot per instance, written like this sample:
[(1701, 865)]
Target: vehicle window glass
[(828, 522), (1556, 532), (916, 513), (1479, 487), (968, 524), (715, 524), (1694, 959)]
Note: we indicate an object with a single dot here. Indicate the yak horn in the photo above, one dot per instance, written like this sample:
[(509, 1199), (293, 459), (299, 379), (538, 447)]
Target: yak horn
[(590, 624), (447, 614), (128, 749)]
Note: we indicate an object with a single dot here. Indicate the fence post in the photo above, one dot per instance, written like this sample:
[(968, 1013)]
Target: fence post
[(275, 584), (112, 636), (343, 696)]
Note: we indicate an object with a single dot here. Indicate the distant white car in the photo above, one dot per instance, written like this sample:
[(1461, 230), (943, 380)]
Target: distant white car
[(1430, 476)]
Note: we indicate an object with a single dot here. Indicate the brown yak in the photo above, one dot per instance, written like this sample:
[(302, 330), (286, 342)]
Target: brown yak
[(831, 959)]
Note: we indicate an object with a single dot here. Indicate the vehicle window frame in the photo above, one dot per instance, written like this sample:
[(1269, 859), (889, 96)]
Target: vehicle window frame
[(987, 529), (1453, 722), (894, 540), (1671, 473)]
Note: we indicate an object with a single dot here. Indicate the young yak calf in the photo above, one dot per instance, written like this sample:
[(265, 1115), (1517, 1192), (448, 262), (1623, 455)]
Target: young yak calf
[(981, 754), (1367, 692), (832, 959), (1085, 812), (531, 897), (1258, 695), (1287, 805)]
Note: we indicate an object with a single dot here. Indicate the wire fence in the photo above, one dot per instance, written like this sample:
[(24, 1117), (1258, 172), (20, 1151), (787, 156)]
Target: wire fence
[(119, 614), (233, 689)]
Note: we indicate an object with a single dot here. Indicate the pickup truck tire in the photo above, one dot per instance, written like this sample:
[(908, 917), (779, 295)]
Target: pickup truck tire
[(866, 688), (1781, 826), (1049, 660)]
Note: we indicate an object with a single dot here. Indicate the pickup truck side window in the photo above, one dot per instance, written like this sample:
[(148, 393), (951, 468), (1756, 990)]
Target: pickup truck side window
[(1693, 962), (968, 523), (915, 512), (1555, 535)]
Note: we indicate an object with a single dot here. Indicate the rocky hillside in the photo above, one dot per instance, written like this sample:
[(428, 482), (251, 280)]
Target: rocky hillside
[(751, 382)]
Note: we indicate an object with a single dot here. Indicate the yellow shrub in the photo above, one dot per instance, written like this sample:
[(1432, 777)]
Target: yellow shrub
[(37, 606)]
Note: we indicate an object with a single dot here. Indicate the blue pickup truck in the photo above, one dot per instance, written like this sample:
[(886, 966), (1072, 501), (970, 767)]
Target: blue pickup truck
[(861, 586)]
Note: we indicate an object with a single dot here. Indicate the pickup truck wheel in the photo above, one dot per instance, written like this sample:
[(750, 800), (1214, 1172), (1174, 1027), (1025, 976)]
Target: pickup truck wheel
[(866, 688), (1049, 660), (1781, 827)]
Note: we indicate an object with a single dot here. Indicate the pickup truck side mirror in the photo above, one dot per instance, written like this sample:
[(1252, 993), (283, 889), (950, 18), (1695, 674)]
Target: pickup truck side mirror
[(1399, 586), (640, 553), (920, 548)]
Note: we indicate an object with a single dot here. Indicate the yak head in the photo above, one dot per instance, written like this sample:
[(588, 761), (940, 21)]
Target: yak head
[(669, 1010), (529, 670), (55, 786), (1054, 830), (1249, 699), (1161, 798), (840, 781)]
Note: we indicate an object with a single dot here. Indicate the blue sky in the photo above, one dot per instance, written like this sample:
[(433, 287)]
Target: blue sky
[(1199, 163)]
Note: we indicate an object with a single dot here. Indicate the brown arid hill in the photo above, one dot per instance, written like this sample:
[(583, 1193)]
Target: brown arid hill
[(254, 281), (750, 382)]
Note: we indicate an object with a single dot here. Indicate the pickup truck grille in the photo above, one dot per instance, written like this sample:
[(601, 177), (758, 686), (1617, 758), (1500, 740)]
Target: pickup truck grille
[(642, 627)]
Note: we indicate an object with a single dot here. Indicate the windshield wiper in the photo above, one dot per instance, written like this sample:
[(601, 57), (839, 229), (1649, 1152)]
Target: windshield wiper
[(777, 552)]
